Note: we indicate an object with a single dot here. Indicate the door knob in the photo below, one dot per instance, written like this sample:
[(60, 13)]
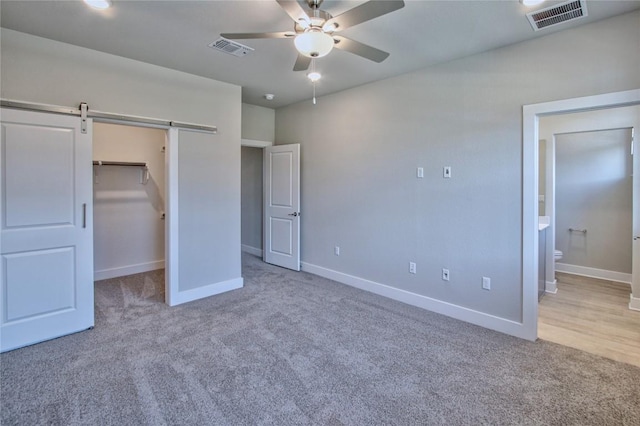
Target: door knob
[(294, 214), (636, 238)]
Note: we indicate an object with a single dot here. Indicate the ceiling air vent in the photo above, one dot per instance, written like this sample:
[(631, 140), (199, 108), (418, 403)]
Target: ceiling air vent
[(554, 15), (230, 47)]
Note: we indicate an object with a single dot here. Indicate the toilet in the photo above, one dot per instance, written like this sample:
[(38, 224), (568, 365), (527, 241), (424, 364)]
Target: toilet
[(557, 255)]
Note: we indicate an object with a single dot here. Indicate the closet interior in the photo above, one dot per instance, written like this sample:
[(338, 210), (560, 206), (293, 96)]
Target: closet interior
[(128, 199)]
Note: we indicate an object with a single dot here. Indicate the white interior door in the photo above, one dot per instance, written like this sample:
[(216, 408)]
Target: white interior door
[(46, 239), (282, 206), (635, 268)]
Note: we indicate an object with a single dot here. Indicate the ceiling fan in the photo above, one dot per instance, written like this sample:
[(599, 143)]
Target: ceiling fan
[(315, 31)]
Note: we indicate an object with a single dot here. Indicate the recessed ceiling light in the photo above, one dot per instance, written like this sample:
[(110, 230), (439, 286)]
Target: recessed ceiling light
[(314, 76), (530, 3), (99, 4)]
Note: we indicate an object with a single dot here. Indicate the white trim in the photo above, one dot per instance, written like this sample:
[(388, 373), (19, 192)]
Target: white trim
[(530, 119), (252, 250), (206, 291), (634, 303), (105, 274), (255, 143), (602, 274), (171, 218), (454, 311), (551, 287)]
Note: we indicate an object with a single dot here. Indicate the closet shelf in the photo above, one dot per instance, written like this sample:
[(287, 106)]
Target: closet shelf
[(118, 163), (144, 175)]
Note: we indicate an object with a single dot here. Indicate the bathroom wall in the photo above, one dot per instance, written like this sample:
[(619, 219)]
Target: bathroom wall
[(128, 227), (594, 193)]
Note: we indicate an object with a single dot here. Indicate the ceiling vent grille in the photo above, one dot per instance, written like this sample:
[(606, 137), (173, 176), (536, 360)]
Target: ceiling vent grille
[(554, 15), (231, 47)]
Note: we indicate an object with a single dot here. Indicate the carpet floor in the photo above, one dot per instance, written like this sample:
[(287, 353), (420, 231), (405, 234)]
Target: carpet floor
[(296, 349)]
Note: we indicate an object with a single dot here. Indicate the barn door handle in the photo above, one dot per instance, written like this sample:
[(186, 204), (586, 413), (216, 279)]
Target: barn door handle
[(84, 215)]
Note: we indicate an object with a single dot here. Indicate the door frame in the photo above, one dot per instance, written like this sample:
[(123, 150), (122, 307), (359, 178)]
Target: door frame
[(530, 123), (613, 123), (253, 143)]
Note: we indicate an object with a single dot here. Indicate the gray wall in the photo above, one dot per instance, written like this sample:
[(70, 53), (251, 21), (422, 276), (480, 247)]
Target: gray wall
[(252, 197), (258, 123), (35, 69), (360, 149), (594, 192)]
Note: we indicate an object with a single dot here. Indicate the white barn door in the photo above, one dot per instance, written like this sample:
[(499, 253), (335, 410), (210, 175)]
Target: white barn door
[(282, 206), (46, 239)]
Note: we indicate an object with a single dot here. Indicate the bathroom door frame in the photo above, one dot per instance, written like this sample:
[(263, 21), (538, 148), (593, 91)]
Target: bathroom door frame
[(579, 125), (530, 162)]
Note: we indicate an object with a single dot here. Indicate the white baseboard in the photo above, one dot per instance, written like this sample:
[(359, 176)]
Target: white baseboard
[(551, 287), (503, 325), (252, 250), (634, 303), (602, 274), (105, 274), (206, 291)]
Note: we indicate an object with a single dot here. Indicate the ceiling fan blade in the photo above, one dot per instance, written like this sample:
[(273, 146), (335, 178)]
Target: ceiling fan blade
[(360, 49), (359, 14), (302, 63), (294, 10), (237, 36)]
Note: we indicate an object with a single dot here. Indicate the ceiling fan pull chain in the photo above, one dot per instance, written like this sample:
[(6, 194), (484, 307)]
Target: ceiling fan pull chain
[(313, 70)]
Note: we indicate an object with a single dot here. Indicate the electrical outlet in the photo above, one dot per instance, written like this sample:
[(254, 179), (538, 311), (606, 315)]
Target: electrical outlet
[(412, 267), (486, 283), (336, 250), (446, 172), (445, 274)]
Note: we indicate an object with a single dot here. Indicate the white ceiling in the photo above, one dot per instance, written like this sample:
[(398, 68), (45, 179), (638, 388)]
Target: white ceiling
[(175, 34)]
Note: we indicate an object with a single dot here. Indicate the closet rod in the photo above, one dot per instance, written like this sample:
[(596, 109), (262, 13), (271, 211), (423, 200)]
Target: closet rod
[(118, 163)]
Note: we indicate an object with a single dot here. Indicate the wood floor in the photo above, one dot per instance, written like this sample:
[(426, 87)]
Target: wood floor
[(591, 315)]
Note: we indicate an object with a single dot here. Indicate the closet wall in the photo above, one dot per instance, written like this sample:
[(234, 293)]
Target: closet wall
[(128, 224)]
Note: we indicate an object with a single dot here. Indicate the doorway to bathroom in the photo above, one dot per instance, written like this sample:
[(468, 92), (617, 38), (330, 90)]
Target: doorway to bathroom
[(544, 202), (593, 179)]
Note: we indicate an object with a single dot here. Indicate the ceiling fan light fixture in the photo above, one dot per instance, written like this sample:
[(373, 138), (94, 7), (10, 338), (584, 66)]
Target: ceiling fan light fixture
[(530, 3), (99, 4), (314, 76), (314, 44), (329, 28)]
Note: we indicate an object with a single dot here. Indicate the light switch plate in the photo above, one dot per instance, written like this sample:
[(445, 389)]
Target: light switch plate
[(446, 172)]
